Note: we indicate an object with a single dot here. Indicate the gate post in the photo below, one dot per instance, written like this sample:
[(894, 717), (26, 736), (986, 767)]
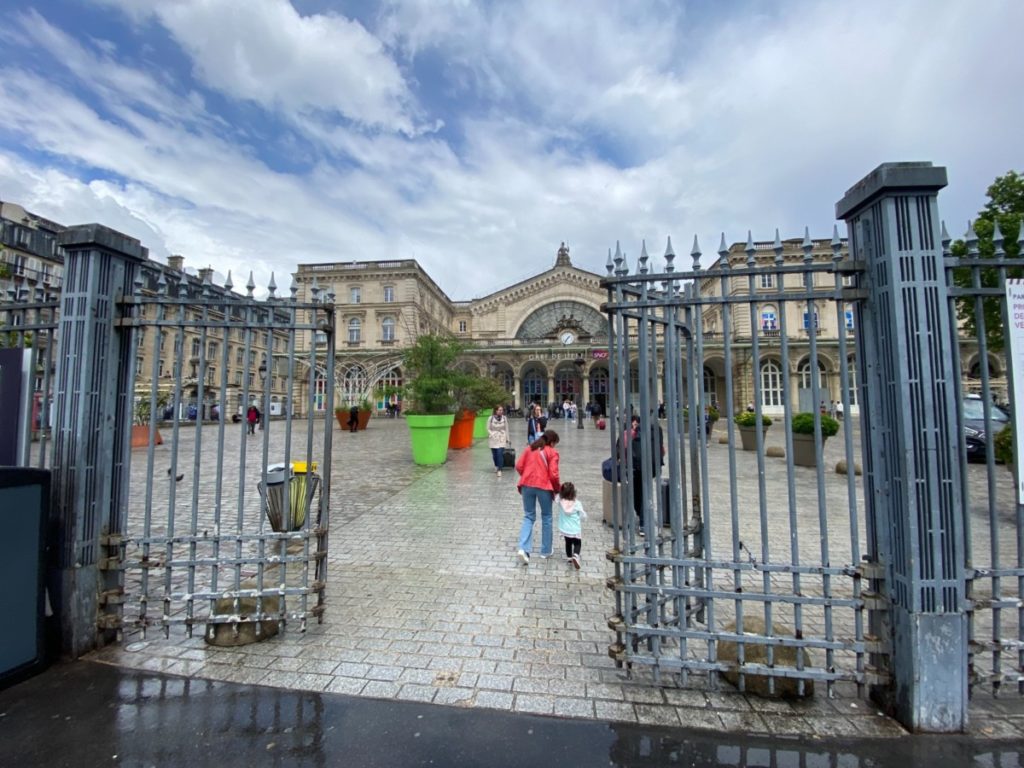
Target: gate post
[(93, 409), (911, 442)]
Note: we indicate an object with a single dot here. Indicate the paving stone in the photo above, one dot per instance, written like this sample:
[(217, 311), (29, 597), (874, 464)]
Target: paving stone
[(454, 696), (541, 705), (618, 711), (414, 692), (494, 700), (380, 689), (651, 714), (351, 686), (581, 708)]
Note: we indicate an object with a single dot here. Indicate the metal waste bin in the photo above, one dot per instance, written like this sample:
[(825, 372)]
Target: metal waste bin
[(302, 486)]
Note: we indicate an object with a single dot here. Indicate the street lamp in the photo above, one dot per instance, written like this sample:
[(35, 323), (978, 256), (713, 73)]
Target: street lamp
[(580, 363), (263, 390)]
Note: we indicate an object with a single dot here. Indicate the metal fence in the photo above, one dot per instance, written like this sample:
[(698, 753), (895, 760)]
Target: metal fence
[(758, 572), (904, 581)]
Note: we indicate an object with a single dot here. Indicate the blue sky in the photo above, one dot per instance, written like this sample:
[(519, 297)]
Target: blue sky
[(476, 136)]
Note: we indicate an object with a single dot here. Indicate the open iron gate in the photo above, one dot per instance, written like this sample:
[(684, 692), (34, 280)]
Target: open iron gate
[(746, 564), (208, 536)]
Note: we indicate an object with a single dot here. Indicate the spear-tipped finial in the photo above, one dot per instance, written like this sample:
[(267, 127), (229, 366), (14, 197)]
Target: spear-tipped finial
[(695, 252), (314, 289), (837, 243), (807, 245), (971, 239), (272, 286), (250, 286), (609, 265), (670, 256), (641, 264), (749, 249), (946, 239), (997, 240), (228, 285)]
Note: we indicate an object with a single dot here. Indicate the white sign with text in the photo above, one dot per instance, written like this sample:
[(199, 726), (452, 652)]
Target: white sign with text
[(1015, 361)]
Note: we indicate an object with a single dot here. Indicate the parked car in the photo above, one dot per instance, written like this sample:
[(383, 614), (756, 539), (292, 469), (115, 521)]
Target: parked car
[(975, 434)]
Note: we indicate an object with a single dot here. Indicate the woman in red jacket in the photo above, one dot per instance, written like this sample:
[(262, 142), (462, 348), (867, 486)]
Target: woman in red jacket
[(538, 482)]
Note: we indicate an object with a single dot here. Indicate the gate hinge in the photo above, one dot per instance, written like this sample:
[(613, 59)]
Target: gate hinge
[(109, 563), (109, 621), (112, 597), (874, 571), (111, 540), (874, 601)]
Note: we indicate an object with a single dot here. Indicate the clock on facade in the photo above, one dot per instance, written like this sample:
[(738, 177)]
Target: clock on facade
[(567, 337)]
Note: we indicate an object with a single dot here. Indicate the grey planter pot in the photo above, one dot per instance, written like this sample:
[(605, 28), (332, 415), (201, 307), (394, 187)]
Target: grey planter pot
[(748, 437)]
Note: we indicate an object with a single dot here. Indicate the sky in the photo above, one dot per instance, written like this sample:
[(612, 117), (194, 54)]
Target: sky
[(475, 137)]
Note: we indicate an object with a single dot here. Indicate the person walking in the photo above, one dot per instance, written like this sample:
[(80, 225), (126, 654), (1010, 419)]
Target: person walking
[(538, 481), (570, 522), (353, 418), (534, 424), (497, 438), (252, 415), (633, 434)]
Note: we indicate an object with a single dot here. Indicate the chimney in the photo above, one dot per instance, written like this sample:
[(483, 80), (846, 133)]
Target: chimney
[(176, 262), (206, 275)]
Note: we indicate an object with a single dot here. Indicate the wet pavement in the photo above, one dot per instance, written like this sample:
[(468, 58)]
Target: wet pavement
[(87, 714), (429, 612)]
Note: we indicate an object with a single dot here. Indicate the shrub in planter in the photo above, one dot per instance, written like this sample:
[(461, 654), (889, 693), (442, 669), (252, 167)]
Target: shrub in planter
[(803, 424), (748, 419), (804, 449), (432, 381)]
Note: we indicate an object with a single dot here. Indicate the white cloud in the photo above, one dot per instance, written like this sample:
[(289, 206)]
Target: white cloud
[(265, 52), (715, 124)]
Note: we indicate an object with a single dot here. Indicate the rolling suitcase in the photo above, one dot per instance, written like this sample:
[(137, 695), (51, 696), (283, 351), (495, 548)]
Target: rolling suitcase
[(510, 457)]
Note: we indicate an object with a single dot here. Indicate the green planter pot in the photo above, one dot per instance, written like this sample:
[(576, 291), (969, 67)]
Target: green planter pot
[(480, 425), (429, 437)]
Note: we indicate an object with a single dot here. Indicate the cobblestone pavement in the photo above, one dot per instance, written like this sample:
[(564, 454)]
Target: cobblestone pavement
[(427, 602)]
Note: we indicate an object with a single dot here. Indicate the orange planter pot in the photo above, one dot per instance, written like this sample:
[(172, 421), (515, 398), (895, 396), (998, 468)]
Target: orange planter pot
[(462, 430), (140, 436)]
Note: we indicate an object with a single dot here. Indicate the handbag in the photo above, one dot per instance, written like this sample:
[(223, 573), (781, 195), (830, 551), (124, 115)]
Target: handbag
[(610, 470), (509, 458)]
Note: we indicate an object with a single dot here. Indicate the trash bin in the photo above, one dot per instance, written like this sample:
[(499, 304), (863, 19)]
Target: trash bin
[(24, 508), (302, 485)]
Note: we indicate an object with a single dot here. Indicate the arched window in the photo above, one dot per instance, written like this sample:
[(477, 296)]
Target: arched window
[(354, 384), (387, 329), (852, 378), (565, 384), (535, 387), (319, 392), (599, 381), (354, 328), (771, 384), (769, 318), (805, 374), (710, 386)]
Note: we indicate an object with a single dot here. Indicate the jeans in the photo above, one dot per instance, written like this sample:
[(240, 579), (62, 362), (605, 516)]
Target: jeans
[(498, 457), (531, 496)]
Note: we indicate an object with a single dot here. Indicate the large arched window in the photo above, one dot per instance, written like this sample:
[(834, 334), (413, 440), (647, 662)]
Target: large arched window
[(387, 329), (771, 384), (566, 384), (769, 318), (851, 373), (599, 381), (805, 374), (354, 329), (535, 387), (710, 386), (354, 384), (319, 392)]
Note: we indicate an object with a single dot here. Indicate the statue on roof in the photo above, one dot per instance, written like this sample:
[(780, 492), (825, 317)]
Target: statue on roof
[(563, 256)]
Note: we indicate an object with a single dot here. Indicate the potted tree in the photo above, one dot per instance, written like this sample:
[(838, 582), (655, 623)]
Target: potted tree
[(365, 411), (485, 395), (747, 423), (430, 384), (804, 453), (143, 416)]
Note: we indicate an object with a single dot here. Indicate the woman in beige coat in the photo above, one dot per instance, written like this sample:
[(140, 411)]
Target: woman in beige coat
[(497, 437)]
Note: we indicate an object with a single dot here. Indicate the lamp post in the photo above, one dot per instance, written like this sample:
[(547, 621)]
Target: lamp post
[(580, 363)]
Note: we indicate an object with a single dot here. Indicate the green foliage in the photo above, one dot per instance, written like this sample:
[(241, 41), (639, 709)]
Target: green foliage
[(365, 405), (1003, 445), (484, 393), (748, 419), (803, 424), (143, 405), (713, 414), (432, 377), (1005, 206)]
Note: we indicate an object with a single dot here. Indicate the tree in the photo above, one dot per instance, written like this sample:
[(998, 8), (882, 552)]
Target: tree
[(1005, 206)]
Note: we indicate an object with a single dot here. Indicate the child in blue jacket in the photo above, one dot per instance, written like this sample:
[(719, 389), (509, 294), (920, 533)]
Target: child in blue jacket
[(570, 518)]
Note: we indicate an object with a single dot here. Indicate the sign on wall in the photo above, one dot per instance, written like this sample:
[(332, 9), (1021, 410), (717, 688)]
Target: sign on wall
[(1015, 363)]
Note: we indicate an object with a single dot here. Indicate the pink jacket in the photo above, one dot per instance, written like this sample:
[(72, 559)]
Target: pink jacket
[(539, 469)]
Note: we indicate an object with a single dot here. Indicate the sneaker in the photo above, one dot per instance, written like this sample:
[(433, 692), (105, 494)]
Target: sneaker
[(523, 556), (642, 533), (575, 561), (499, 473), (545, 557)]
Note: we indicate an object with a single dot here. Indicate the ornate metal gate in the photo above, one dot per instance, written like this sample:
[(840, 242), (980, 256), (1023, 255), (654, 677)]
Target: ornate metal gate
[(745, 564)]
